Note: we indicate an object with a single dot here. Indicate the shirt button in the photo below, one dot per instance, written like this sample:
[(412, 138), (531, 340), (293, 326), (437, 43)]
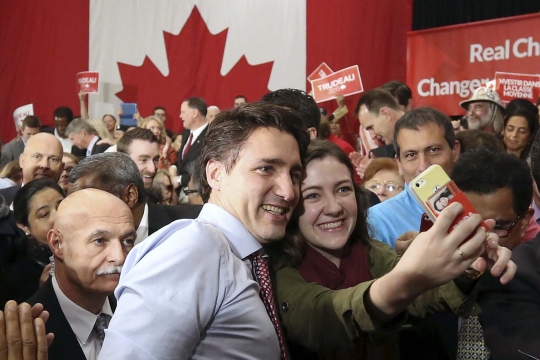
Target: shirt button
[(284, 306)]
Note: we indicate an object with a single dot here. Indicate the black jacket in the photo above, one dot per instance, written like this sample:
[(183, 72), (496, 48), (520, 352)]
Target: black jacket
[(191, 156), (160, 216), (65, 345)]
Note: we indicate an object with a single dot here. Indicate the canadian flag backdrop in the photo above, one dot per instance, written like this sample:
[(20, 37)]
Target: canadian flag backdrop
[(161, 52)]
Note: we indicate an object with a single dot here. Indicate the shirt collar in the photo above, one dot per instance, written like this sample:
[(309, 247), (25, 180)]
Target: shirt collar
[(241, 241), (142, 230), (198, 132), (91, 145), (81, 321)]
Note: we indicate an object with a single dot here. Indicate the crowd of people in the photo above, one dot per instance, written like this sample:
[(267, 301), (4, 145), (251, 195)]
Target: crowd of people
[(265, 231)]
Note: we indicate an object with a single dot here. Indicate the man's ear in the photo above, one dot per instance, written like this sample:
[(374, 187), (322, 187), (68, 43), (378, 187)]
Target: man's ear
[(55, 243), (214, 174), (21, 160), (400, 168), (312, 133), (130, 196), (385, 112), (457, 150), (525, 222), (409, 105)]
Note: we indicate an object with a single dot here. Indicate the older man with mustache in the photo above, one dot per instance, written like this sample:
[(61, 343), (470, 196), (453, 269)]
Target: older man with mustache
[(90, 244)]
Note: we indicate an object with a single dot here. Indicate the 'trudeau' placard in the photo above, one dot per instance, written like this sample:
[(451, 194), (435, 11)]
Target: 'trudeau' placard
[(512, 86), (20, 113), (345, 82), (88, 81), (321, 71)]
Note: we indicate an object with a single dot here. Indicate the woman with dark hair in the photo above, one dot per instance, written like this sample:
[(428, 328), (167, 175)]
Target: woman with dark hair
[(520, 127), (27, 267), (328, 243)]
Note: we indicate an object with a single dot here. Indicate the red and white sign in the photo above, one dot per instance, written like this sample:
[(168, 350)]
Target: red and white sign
[(512, 86), (88, 81), (345, 82), (445, 65), (321, 71), (21, 112)]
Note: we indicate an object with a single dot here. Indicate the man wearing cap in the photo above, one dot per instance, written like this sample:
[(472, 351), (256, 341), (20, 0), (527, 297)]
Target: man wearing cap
[(484, 111)]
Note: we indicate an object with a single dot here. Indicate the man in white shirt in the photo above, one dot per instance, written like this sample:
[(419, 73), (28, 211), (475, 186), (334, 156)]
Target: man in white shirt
[(189, 290), (90, 244), (84, 136), (142, 146)]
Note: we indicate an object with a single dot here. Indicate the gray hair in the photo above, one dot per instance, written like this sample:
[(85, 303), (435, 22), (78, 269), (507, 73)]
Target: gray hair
[(110, 172), (79, 124)]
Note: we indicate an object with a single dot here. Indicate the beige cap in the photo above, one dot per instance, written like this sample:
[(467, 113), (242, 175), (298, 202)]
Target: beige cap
[(483, 94)]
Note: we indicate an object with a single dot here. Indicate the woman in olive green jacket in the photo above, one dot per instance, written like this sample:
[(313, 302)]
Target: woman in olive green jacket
[(330, 226)]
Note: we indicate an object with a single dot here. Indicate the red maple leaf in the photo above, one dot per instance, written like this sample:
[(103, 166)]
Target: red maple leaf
[(195, 57)]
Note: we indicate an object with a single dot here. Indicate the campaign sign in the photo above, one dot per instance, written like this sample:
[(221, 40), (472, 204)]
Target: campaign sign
[(512, 86), (345, 82), (88, 81), (20, 113), (321, 71)]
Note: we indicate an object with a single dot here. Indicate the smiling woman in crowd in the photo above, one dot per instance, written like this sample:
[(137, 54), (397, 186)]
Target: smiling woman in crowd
[(520, 127), (34, 208), (168, 155)]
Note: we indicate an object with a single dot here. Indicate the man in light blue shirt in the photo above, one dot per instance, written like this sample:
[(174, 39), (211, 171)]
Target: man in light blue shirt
[(188, 291), (422, 137)]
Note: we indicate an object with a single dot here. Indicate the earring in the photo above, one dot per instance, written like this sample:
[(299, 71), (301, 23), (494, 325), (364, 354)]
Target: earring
[(51, 259)]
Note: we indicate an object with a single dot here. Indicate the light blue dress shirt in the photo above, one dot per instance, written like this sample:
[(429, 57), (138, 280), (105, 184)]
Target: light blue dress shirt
[(187, 293), (394, 217)]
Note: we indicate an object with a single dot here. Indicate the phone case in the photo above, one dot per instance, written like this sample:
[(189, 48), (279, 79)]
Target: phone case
[(426, 184), (447, 193)]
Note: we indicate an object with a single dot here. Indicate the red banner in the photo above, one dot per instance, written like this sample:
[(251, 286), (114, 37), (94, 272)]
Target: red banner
[(445, 65)]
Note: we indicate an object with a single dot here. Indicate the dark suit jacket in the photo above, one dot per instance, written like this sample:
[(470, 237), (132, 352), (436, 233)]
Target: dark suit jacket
[(384, 151), (160, 216), (98, 149), (80, 153), (9, 193), (191, 156), (511, 313), (65, 345), (11, 151)]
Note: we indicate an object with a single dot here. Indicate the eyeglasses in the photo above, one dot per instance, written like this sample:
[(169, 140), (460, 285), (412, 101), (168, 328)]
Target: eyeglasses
[(502, 231), (391, 186), (187, 191)]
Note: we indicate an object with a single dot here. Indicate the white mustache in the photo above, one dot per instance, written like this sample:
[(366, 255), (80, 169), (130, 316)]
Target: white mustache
[(111, 269)]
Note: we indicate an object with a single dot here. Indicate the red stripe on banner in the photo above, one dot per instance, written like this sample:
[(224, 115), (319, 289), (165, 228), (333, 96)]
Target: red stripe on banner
[(44, 45)]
